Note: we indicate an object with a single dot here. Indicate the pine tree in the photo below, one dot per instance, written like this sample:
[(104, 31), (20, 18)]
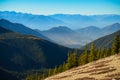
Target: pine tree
[(83, 58), (116, 45), (72, 60), (60, 68), (86, 54), (69, 61), (92, 53), (98, 54), (55, 70), (74, 57), (36, 76), (43, 76), (64, 67), (49, 72)]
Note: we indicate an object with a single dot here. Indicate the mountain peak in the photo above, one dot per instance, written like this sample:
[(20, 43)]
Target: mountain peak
[(4, 20), (60, 29), (116, 24), (92, 27)]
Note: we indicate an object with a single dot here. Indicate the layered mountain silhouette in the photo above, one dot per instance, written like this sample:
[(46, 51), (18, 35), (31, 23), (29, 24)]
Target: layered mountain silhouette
[(20, 28), (77, 38), (43, 22), (78, 21), (33, 21), (64, 36)]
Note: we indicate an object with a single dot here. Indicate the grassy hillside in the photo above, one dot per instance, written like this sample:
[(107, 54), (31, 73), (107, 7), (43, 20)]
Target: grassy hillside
[(104, 69)]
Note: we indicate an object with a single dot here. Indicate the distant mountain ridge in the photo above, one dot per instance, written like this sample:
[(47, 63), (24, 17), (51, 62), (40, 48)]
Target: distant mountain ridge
[(77, 38), (64, 36), (79, 21), (74, 21), (104, 42), (33, 21)]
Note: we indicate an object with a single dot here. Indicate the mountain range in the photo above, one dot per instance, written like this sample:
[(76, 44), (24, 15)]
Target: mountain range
[(63, 35), (77, 38), (74, 21)]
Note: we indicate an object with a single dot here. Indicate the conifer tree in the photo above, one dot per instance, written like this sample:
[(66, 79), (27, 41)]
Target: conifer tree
[(60, 68), (49, 72), (55, 70), (86, 54), (72, 60), (36, 76), (64, 66), (74, 57), (92, 53), (83, 58), (116, 45)]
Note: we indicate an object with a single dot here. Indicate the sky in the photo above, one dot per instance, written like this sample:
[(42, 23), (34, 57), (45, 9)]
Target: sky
[(47, 7)]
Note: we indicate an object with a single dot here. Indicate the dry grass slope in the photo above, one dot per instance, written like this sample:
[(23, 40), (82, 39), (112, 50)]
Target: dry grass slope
[(103, 69)]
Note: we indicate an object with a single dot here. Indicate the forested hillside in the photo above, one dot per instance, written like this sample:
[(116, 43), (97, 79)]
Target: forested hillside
[(91, 66), (74, 59)]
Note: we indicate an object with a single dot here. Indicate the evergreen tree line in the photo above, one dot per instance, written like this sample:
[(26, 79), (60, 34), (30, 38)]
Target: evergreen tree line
[(75, 59)]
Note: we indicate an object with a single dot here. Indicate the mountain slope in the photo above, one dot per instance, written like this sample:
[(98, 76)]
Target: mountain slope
[(111, 28), (104, 42), (24, 52), (5, 75), (103, 69), (90, 31), (20, 28)]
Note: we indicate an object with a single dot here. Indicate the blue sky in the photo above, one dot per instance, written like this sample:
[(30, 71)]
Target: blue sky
[(46, 7)]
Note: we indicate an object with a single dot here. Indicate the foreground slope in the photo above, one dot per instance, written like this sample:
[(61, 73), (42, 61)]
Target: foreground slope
[(103, 69)]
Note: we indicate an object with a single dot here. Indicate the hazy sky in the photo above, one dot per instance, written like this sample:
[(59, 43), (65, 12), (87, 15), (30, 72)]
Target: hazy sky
[(85, 7)]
